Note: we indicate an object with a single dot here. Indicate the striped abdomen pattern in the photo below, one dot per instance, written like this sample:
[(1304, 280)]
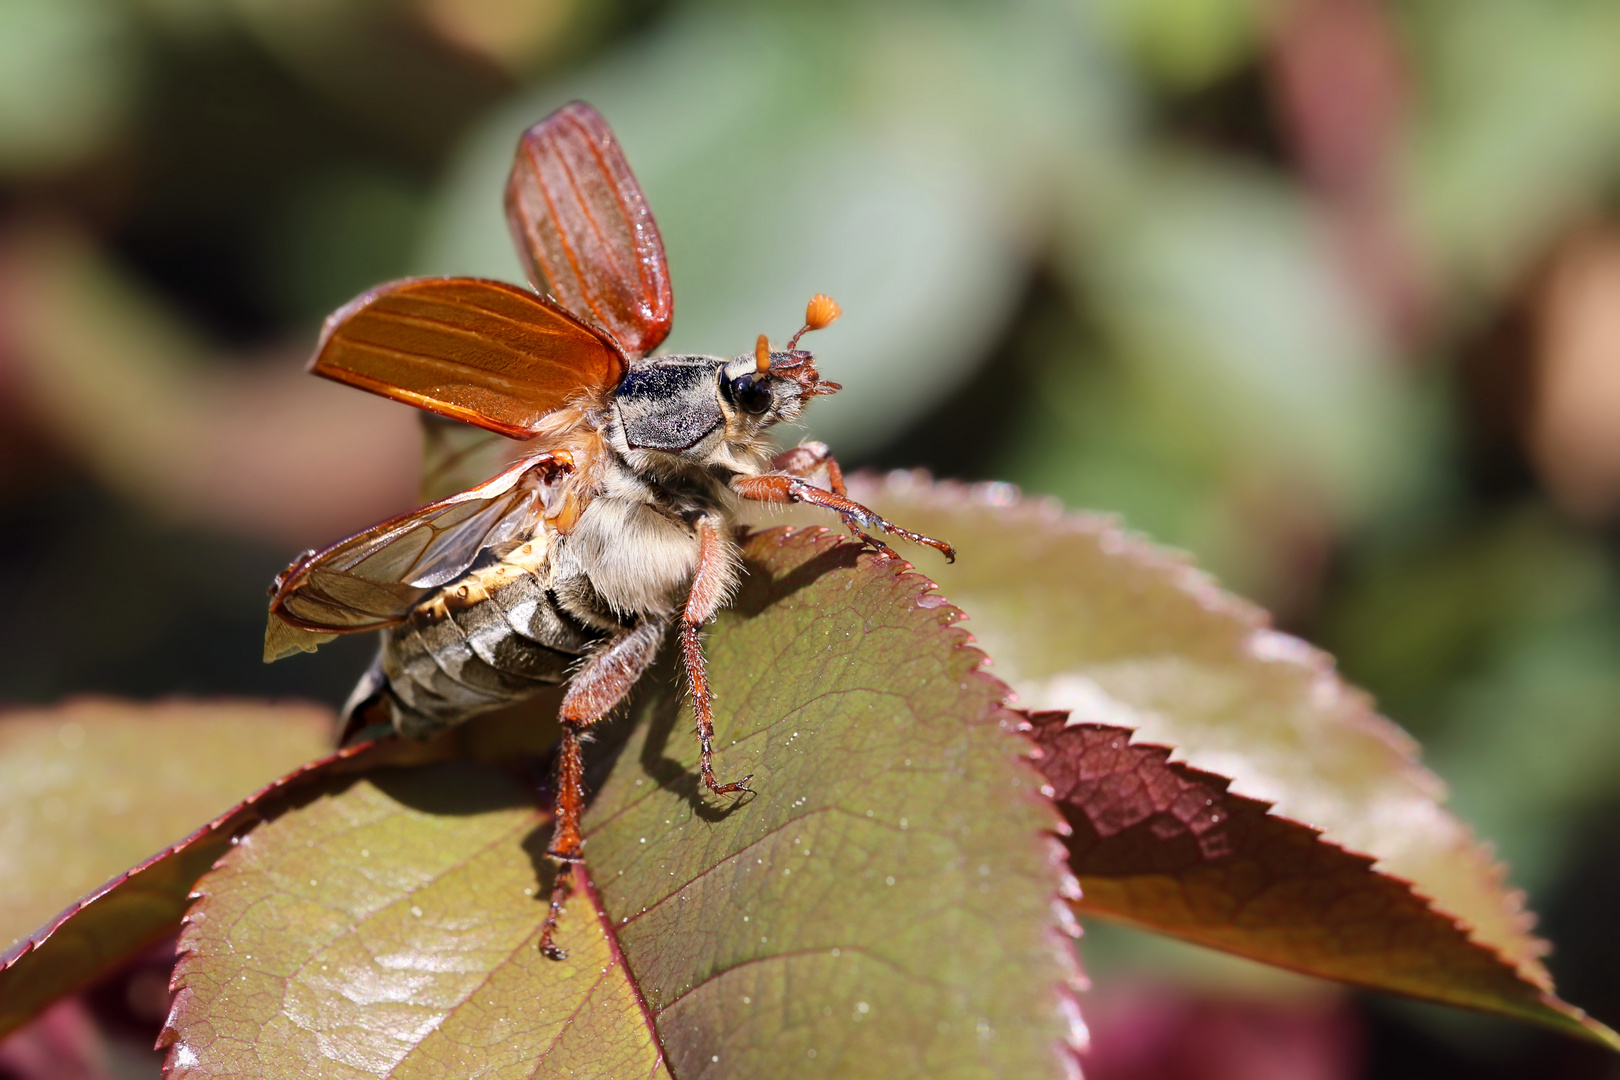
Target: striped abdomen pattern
[(491, 638)]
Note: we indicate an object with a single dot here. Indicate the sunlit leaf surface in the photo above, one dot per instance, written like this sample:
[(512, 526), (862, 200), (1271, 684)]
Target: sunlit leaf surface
[(1081, 616), (883, 906), (390, 928), (91, 788), (1167, 847)]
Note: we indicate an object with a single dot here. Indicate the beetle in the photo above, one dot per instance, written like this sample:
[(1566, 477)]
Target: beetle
[(615, 523)]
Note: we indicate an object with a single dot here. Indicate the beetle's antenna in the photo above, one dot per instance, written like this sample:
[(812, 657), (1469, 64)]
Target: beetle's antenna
[(819, 314), (762, 353)]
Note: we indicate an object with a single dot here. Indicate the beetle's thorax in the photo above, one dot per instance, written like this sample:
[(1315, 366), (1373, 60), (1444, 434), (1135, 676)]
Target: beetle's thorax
[(675, 414), (676, 432)]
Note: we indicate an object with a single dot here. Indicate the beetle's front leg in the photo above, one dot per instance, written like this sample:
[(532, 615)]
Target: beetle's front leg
[(790, 489), (601, 683), (807, 461), (709, 587)]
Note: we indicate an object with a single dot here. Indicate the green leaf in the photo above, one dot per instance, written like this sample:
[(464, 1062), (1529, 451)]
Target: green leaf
[(390, 927), (884, 905), (1239, 348), (224, 744), (93, 787), (886, 900), (1082, 616)]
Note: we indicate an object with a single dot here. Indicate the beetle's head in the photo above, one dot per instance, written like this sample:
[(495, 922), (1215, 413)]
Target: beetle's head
[(690, 404), (767, 387)]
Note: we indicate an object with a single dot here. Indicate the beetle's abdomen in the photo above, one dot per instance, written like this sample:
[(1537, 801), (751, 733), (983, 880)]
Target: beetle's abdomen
[(491, 638)]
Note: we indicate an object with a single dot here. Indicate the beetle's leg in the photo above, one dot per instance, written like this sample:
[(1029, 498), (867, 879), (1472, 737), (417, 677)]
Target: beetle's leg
[(711, 583), (601, 683), (808, 459), (791, 489), (812, 461)]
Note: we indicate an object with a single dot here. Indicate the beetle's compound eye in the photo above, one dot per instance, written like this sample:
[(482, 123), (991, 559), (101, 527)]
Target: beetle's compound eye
[(750, 393)]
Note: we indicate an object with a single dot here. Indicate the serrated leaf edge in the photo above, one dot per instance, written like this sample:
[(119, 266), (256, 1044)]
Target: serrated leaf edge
[(231, 824), (1179, 570), (923, 592), (1567, 1016)]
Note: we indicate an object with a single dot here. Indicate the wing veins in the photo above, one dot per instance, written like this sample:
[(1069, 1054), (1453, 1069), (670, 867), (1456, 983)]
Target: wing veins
[(437, 363), (569, 252), (548, 269), (336, 591), (584, 228), (451, 328), (509, 387), (603, 243)]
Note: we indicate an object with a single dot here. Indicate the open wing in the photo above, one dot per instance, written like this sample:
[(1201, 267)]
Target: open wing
[(482, 352), (375, 578), (584, 231)]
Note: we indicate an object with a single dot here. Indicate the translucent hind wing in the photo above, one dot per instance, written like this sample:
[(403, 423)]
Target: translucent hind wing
[(375, 578)]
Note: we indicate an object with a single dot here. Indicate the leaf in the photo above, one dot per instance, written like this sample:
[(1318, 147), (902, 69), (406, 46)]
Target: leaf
[(1167, 847), (390, 927), (222, 743), (71, 777), (89, 788), (1238, 355), (1082, 616), (884, 905), (891, 868)]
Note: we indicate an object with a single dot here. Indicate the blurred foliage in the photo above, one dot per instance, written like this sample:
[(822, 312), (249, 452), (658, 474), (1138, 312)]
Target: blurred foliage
[(1304, 286)]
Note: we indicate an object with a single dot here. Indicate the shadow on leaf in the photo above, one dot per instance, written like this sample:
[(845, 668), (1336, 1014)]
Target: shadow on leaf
[(667, 772), (760, 588)]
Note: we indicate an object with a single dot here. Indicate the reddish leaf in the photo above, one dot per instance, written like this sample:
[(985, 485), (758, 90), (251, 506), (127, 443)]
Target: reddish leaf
[(84, 752), (883, 906), (390, 927), (1168, 847), (1083, 616), (226, 743), (73, 777)]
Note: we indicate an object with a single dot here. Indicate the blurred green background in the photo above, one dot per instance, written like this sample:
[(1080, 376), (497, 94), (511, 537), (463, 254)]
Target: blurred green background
[(1324, 291)]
